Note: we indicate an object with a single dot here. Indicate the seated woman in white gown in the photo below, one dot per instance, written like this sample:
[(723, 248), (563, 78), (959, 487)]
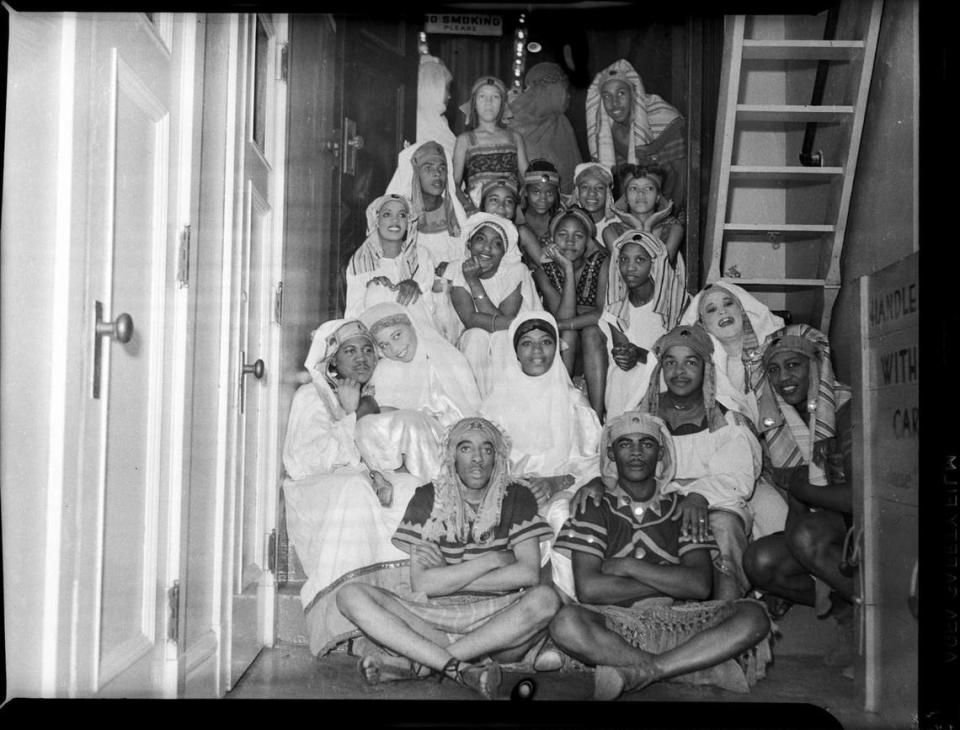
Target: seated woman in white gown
[(340, 514), (738, 323), (490, 286), (555, 434), (390, 266), (423, 386)]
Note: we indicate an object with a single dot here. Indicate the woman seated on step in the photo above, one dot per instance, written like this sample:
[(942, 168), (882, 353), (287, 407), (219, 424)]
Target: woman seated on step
[(805, 421), (641, 579), (340, 513), (421, 378), (641, 206), (540, 201), (593, 191), (573, 283), (425, 177), (490, 287), (500, 197), (738, 323), (474, 598), (389, 266)]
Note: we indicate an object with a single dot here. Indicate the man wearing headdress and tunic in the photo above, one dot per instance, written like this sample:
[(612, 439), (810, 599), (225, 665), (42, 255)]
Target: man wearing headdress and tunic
[(641, 579), (475, 597), (718, 458)]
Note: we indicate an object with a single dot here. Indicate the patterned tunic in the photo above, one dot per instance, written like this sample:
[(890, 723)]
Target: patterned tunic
[(589, 277), (615, 530), (483, 163), (519, 521)]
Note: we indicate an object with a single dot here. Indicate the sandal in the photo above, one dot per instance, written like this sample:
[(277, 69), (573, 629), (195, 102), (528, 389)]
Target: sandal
[(380, 668), (482, 678)]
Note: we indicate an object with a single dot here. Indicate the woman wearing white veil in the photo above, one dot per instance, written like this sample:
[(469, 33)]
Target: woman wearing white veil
[(340, 515)]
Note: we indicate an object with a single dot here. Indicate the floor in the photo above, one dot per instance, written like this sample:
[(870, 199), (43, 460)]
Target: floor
[(289, 671)]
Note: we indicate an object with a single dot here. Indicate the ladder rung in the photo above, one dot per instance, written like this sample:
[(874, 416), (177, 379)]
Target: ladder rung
[(788, 172), (802, 49), (786, 228), (792, 113), (780, 284)]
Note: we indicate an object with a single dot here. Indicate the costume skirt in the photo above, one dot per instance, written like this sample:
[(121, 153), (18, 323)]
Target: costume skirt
[(658, 625)]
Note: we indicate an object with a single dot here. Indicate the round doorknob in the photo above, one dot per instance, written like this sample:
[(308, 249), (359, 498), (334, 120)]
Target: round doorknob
[(121, 329), (356, 142), (256, 370)]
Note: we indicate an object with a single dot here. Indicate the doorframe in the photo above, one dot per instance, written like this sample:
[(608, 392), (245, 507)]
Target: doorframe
[(237, 137)]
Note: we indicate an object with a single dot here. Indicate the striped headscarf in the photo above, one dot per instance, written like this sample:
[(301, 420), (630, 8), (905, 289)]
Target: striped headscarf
[(789, 440), (696, 338), (367, 256), (649, 117), (448, 517), (669, 299), (647, 424)]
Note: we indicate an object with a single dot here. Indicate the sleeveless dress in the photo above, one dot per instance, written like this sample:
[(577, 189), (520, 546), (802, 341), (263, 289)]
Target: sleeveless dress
[(589, 277), (483, 163)]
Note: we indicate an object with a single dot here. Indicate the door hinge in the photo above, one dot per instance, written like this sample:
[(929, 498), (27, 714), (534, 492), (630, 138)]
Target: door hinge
[(283, 63), (278, 304), (272, 551), (183, 261), (173, 611)]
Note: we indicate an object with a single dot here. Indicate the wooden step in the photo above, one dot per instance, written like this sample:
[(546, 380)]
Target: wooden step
[(792, 113), (785, 231), (785, 173), (803, 49), (780, 284)]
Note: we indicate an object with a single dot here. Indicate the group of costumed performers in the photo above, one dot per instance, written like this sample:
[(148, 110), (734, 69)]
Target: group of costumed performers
[(526, 445)]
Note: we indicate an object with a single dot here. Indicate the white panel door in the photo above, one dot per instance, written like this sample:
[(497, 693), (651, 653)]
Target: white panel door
[(132, 159), (258, 191)]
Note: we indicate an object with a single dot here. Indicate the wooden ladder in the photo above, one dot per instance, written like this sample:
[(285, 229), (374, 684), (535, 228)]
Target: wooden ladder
[(776, 226)]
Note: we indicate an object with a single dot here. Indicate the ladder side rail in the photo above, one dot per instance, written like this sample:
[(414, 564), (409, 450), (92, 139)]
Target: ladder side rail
[(723, 144), (853, 148)]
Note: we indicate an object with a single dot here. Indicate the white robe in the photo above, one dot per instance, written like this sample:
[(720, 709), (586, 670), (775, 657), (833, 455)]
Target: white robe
[(334, 518), (441, 246), (553, 431), (362, 295), (626, 388), (552, 427)]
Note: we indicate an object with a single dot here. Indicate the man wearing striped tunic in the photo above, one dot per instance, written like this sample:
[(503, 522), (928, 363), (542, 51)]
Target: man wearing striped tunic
[(641, 580), (474, 542)]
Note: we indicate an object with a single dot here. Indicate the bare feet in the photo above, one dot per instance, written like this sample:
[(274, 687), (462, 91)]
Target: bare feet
[(610, 682)]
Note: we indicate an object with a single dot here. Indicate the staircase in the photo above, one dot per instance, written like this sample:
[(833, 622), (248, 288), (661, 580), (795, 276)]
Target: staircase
[(786, 153)]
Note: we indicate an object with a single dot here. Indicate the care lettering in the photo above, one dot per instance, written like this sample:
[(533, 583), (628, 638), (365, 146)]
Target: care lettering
[(906, 422)]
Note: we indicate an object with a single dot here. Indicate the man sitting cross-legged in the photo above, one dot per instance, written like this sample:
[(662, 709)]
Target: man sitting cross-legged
[(473, 538), (640, 581)]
